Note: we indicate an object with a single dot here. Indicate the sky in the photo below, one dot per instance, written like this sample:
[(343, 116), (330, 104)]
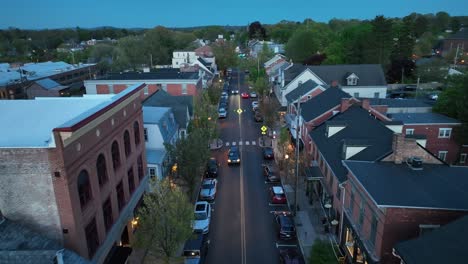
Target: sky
[(41, 14)]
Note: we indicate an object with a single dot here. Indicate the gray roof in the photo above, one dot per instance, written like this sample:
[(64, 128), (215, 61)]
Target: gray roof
[(368, 74), (157, 75), (398, 103), (48, 83), (424, 118), (361, 129), (322, 103), (19, 244), (155, 156), (153, 115), (179, 105), (397, 185), (301, 90), (447, 241), (462, 34)]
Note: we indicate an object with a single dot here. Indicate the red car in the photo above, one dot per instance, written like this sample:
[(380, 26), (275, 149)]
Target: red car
[(245, 95), (277, 195)]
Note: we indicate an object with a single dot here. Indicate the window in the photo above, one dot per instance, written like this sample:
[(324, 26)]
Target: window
[(184, 88), (146, 90), (409, 131), (140, 167), (164, 87), (107, 213), (443, 155), (115, 155), (136, 132), (463, 158), (101, 169), (84, 188), (152, 172), (145, 132), (131, 180), (120, 196), (361, 212), (352, 81), (92, 239), (356, 95), (445, 132), (376, 95), (128, 148), (373, 231)]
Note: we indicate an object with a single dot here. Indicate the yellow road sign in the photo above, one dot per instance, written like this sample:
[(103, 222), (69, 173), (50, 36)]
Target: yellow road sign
[(264, 128), (239, 111)]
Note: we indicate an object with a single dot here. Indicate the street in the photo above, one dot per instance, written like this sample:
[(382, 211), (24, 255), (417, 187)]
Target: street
[(242, 228)]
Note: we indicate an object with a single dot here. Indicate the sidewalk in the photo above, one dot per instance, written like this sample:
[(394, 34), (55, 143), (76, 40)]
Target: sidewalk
[(216, 144), (265, 141)]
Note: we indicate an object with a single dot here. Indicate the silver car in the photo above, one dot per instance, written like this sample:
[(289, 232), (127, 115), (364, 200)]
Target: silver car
[(222, 113), (208, 190)]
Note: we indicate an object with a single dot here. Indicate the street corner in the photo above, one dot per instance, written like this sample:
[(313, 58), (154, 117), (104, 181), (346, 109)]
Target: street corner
[(216, 144), (265, 141)]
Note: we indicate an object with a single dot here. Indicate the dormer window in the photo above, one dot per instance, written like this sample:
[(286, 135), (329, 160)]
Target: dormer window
[(352, 79)]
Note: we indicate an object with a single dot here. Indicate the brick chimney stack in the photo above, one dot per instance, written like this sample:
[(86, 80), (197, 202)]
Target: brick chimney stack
[(345, 104), (365, 103), (398, 146), (334, 84)]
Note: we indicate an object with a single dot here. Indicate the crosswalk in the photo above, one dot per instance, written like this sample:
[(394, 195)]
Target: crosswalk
[(240, 143)]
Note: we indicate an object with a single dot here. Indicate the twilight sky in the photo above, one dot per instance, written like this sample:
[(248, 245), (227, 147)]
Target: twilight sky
[(37, 14)]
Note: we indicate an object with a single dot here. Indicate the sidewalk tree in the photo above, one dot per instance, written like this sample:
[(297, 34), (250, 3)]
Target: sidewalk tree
[(164, 221)]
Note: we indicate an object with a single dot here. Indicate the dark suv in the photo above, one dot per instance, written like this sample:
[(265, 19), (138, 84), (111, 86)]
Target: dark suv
[(233, 155), (211, 168), (285, 225), (270, 173)]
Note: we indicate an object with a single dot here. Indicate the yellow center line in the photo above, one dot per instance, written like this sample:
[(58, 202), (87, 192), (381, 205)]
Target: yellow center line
[(241, 176)]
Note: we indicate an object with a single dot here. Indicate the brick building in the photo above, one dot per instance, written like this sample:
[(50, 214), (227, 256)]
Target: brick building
[(73, 169), (172, 81), (438, 134), (393, 201)]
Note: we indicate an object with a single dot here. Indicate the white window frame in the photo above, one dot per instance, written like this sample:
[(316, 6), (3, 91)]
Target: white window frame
[(150, 169), (409, 131), (376, 95), (463, 158), (445, 132), (442, 153), (146, 90), (356, 95), (184, 88), (352, 81)]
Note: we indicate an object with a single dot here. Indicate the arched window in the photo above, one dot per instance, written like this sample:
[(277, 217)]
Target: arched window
[(101, 169), (128, 148), (115, 155), (84, 188), (136, 132)]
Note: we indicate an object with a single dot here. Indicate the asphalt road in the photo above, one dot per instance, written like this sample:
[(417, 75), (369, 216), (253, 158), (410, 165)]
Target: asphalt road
[(242, 228)]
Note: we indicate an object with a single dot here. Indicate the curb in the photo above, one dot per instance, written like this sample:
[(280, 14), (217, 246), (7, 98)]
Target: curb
[(219, 145)]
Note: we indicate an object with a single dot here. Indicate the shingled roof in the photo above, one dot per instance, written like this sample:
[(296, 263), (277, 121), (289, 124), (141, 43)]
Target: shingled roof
[(157, 75), (447, 241), (301, 90), (368, 74), (322, 103), (359, 129), (434, 187), (179, 105)]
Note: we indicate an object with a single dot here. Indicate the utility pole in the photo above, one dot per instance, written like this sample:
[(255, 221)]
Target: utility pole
[(298, 115)]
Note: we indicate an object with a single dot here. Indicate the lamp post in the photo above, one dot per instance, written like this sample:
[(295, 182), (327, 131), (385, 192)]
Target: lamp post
[(286, 157)]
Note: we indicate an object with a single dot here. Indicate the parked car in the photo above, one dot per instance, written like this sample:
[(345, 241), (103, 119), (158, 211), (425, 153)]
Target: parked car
[(285, 225), (223, 104), (258, 116), (290, 255), (268, 153), (245, 95), (270, 173), (222, 113), (202, 211), (233, 155), (254, 105), (224, 95), (208, 190), (212, 168), (195, 249), (277, 195), (253, 95)]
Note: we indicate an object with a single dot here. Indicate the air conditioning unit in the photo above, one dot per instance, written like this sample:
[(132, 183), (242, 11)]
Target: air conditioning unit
[(415, 163)]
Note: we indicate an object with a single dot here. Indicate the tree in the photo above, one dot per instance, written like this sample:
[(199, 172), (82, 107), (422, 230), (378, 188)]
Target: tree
[(425, 44), (380, 42), (400, 70), (282, 31), (434, 71), (455, 24), (158, 45), (102, 54), (421, 25), (225, 54), (315, 59), (322, 253), (164, 222), (302, 45), (442, 21), (404, 45), (130, 53), (257, 31)]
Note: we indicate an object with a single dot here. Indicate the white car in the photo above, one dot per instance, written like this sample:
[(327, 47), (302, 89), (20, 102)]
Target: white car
[(224, 95), (222, 113), (201, 224), (254, 105), (208, 190), (253, 95)]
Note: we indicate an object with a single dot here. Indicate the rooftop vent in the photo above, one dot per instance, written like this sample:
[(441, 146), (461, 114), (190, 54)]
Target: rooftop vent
[(415, 163)]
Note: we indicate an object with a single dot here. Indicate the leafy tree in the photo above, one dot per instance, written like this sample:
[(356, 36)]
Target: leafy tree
[(302, 45), (315, 59), (442, 21), (282, 31), (225, 54), (404, 46), (257, 31), (102, 54), (400, 70), (421, 25), (380, 41), (425, 44), (322, 253), (453, 102), (455, 24), (164, 222), (355, 41), (159, 42), (434, 71), (130, 53), (335, 52), (210, 32)]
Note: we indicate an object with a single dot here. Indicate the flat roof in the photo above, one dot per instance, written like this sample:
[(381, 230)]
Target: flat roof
[(424, 118), (29, 123)]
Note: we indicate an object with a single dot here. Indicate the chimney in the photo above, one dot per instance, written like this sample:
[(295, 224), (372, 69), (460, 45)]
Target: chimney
[(365, 103), (345, 104), (334, 84)]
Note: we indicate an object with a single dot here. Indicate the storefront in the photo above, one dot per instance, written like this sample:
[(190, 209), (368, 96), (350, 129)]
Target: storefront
[(353, 247)]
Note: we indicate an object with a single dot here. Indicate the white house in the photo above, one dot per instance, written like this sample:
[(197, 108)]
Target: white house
[(160, 127), (182, 57)]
